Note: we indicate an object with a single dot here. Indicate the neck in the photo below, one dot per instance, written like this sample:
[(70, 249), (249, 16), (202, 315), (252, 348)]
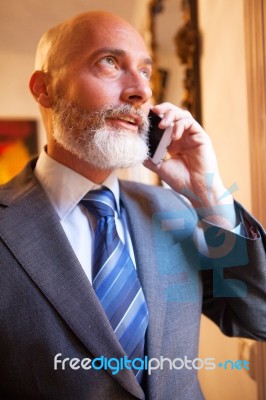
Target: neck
[(71, 161)]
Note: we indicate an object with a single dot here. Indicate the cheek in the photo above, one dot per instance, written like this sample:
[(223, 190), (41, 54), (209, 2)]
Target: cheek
[(92, 93)]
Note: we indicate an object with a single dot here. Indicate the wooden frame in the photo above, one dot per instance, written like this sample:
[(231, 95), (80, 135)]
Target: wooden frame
[(255, 20), (18, 143), (255, 23), (188, 45)]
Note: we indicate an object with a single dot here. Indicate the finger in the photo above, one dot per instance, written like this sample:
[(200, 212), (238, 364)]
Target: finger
[(163, 107), (180, 127), (171, 114)]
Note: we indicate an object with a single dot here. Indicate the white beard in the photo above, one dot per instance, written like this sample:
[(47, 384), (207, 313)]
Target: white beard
[(86, 135)]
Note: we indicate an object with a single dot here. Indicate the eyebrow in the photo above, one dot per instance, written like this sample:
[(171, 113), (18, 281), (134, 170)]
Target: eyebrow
[(118, 52)]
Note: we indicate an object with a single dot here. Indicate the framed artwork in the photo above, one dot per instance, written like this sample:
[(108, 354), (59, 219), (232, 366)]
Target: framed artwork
[(188, 45), (18, 143)]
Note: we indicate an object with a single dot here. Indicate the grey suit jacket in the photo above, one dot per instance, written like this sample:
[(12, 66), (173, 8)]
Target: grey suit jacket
[(47, 305)]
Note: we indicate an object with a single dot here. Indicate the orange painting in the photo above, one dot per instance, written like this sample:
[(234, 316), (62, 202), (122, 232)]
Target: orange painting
[(18, 143)]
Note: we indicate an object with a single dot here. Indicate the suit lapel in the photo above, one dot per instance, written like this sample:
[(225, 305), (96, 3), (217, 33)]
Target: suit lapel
[(139, 215), (45, 254)]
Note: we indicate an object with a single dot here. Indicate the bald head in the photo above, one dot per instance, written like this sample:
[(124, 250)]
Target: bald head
[(64, 42)]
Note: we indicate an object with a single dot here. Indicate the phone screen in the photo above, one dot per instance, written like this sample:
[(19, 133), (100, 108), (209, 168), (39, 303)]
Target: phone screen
[(159, 139), (155, 133)]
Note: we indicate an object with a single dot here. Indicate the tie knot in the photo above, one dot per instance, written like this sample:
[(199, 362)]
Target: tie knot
[(101, 202)]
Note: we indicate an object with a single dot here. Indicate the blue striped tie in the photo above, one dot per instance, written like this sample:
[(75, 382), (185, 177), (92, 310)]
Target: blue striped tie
[(114, 277)]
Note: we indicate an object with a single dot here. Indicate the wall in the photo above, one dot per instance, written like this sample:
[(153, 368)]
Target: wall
[(224, 104), (224, 95)]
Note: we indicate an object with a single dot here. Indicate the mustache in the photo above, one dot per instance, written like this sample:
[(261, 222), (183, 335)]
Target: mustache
[(125, 110), (78, 118)]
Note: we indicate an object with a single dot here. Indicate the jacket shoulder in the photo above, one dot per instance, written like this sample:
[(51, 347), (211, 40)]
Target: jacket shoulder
[(19, 185), (159, 197)]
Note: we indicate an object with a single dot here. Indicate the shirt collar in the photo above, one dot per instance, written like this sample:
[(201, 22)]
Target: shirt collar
[(65, 187)]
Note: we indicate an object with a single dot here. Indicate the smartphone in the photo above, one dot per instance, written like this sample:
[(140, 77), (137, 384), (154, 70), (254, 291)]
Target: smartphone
[(158, 139)]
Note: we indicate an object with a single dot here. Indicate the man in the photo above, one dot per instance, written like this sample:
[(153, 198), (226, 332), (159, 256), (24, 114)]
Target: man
[(92, 84)]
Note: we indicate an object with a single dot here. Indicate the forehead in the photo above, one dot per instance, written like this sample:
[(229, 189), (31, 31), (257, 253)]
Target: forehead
[(89, 37)]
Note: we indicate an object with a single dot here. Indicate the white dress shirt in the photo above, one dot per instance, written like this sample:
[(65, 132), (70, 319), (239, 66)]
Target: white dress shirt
[(65, 188)]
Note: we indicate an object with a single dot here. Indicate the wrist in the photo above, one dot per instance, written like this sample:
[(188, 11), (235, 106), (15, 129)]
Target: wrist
[(216, 205)]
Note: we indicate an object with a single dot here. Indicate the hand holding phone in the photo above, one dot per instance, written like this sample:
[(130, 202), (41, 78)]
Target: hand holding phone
[(158, 139)]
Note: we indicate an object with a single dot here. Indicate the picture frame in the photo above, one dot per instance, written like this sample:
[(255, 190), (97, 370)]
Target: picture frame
[(18, 144)]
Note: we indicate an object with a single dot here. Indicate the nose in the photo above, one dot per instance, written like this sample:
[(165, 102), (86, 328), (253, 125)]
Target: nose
[(136, 89)]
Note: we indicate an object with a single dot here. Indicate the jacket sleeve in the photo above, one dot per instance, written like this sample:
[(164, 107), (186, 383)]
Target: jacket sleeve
[(234, 278)]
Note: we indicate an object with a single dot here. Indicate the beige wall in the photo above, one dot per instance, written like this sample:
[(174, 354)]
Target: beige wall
[(224, 92), (224, 104)]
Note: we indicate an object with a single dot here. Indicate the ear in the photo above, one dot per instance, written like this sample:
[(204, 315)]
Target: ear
[(39, 88)]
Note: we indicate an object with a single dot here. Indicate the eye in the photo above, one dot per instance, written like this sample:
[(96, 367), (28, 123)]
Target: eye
[(146, 73), (108, 66), (108, 60)]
